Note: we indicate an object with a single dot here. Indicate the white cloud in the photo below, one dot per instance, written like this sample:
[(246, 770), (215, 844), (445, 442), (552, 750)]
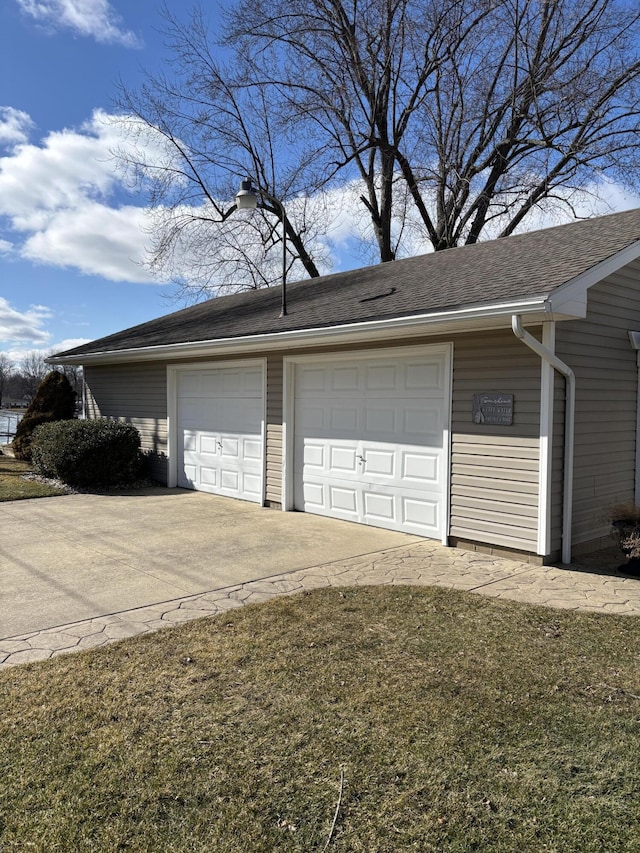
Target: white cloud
[(93, 18), (15, 126), (23, 327), (95, 240), (16, 354), (67, 344), (38, 180), (60, 197)]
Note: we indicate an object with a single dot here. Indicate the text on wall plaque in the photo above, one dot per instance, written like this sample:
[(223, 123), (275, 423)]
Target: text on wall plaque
[(493, 409)]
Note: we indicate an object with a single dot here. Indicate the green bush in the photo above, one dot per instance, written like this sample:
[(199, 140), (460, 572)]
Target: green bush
[(87, 453), (24, 434), (53, 401)]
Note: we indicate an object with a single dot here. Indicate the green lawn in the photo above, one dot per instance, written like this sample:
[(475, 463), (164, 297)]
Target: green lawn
[(436, 720), (13, 486)]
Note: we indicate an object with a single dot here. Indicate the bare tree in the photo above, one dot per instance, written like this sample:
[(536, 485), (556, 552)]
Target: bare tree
[(32, 369), (190, 139), (75, 375), (457, 118), (6, 368)]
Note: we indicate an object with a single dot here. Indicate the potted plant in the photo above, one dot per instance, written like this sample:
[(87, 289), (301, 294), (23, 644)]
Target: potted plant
[(625, 526)]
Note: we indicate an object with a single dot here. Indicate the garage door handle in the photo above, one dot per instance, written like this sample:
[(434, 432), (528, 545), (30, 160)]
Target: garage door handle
[(361, 458)]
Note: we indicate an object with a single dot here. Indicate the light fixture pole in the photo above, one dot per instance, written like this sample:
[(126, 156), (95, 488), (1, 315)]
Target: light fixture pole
[(247, 199)]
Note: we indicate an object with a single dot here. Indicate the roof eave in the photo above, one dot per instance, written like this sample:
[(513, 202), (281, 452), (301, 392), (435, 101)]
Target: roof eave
[(537, 309)]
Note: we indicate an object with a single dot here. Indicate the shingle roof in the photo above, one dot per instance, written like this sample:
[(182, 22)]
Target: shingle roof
[(511, 268)]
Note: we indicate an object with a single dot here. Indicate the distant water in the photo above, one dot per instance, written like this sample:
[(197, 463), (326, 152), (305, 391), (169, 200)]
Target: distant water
[(8, 423)]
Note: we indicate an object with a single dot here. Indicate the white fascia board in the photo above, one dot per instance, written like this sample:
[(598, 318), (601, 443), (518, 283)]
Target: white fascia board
[(464, 319), (569, 297)]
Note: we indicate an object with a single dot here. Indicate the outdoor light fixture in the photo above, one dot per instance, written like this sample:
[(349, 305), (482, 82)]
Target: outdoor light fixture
[(247, 199)]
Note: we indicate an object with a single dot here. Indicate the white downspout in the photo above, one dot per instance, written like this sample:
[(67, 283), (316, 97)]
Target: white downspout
[(569, 426)]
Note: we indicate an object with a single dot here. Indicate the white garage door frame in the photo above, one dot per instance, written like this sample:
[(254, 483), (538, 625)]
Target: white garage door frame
[(173, 374), (289, 397)]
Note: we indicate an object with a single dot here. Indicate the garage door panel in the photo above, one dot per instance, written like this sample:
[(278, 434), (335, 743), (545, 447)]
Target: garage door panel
[(208, 444), (252, 485), (190, 441), (343, 499), (379, 463), (189, 384), (313, 420), (313, 455), (220, 425), (313, 498), (387, 508), (380, 418), (233, 416), (252, 449), (232, 382), (344, 418), (381, 377), (330, 421), (208, 476), (210, 384), (379, 508), (312, 379), (423, 425), (190, 411), (343, 379), (230, 448), (369, 441), (229, 480), (421, 516), (403, 420), (342, 459), (252, 382), (426, 377), (420, 468)]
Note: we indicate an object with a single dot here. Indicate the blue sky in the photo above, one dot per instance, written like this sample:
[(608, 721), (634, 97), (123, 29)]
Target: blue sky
[(71, 242)]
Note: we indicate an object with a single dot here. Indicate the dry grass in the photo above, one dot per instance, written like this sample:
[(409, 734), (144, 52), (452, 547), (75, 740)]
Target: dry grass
[(460, 724), (14, 487)]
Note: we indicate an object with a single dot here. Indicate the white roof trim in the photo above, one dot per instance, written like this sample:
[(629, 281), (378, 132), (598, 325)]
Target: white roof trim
[(537, 309)]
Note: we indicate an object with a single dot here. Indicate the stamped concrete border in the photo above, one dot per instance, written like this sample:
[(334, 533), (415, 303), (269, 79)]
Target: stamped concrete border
[(591, 586)]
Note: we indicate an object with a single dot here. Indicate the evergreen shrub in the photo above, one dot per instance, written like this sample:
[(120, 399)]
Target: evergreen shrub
[(54, 400), (87, 453)]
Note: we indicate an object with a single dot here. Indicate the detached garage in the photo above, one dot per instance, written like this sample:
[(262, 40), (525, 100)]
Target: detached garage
[(485, 396)]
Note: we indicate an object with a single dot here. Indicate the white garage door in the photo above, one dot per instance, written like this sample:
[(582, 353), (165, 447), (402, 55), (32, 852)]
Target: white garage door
[(370, 440), (220, 444)]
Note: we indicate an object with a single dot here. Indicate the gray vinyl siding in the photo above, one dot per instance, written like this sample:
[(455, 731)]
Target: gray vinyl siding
[(273, 450), (136, 394), (599, 352), (494, 469)]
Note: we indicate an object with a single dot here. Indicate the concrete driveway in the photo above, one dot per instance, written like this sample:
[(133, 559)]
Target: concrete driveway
[(75, 557)]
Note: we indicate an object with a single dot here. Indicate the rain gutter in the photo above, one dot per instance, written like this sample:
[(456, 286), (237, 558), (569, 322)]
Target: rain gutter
[(366, 330)]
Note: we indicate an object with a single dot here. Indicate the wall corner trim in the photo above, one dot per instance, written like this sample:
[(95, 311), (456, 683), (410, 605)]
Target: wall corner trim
[(569, 421)]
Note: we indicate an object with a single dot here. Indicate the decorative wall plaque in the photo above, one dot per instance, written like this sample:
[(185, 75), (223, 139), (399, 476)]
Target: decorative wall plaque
[(493, 409)]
